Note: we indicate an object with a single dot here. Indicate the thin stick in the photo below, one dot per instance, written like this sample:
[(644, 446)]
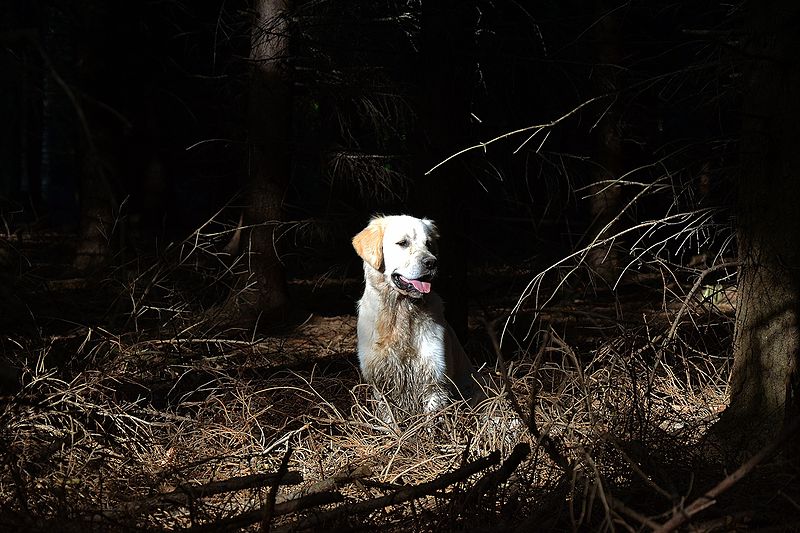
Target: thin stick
[(617, 505), (269, 508), (501, 475), (187, 493), (501, 363), (402, 495), (674, 328), (537, 128), (257, 515), (528, 418), (347, 475), (710, 498)]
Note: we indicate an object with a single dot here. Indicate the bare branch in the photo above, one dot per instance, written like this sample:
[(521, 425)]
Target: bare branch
[(402, 495), (184, 494), (536, 129), (708, 499)]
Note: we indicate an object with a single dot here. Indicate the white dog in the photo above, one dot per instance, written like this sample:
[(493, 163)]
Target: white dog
[(405, 347)]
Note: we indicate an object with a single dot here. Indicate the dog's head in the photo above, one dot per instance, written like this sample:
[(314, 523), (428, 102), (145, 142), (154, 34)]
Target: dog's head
[(402, 249)]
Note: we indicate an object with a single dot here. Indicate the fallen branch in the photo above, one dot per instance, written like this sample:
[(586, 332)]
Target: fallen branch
[(343, 477), (494, 479), (737, 522), (187, 493), (319, 493), (257, 515), (402, 495), (620, 508), (269, 508), (547, 442), (710, 498)]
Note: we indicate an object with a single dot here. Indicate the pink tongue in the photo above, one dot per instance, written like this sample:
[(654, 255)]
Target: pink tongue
[(421, 286)]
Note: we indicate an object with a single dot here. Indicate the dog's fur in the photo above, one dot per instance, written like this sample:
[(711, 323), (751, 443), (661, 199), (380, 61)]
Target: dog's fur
[(406, 349)]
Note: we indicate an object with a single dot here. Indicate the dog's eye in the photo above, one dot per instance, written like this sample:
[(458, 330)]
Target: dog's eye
[(403, 244)]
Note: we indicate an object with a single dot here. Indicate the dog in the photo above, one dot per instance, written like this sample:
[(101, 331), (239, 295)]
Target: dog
[(406, 348)]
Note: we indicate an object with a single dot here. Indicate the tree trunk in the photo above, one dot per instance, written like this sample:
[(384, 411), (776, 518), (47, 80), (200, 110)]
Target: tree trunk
[(97, 134), (96, 223), (764, 381), (58, 173), (447, 59), (604, 200), (269, 115)]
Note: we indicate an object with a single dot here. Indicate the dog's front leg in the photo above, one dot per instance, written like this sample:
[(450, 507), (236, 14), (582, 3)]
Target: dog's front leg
[(383, 409), (437, 398)]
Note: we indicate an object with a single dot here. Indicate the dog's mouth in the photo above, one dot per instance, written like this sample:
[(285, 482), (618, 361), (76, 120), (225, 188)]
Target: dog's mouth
[(414, 287)]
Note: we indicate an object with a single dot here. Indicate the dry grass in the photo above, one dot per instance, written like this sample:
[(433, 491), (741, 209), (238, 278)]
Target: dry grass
[(170, 420), (144, 418)]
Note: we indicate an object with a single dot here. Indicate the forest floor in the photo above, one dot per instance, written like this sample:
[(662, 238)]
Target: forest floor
[(126, 405)]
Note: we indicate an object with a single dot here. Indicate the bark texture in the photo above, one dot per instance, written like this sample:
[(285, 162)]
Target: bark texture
[(764, 380), (605, 196), (269, 165), (447, 72)]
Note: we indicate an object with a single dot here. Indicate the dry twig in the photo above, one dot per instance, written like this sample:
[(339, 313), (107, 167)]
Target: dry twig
[(400, 496), (708, 499), (184, 494)]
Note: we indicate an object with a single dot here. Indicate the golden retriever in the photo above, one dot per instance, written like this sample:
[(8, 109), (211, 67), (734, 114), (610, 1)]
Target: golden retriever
[(406, 349)]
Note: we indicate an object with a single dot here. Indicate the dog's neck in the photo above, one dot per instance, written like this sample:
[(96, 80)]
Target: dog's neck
[(392, 313)]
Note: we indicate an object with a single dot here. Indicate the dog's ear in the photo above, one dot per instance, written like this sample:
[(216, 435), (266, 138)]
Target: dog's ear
[(433, 231), (369, 243)]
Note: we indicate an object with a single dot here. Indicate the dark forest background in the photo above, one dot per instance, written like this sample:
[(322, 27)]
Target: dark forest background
[(157, 95), (602, 173)]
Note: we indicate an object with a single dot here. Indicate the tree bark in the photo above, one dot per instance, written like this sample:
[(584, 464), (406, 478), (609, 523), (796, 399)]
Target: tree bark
[(447, 61), (97, 202), (58, 156), (764, 383), (604, 200), (99, 141), (269, 165)]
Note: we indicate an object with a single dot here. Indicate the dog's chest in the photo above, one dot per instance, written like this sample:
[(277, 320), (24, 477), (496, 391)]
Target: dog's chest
[(401, 347)]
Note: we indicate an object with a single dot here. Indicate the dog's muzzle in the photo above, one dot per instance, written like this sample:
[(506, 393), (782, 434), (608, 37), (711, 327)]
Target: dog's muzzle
[(413, 287)]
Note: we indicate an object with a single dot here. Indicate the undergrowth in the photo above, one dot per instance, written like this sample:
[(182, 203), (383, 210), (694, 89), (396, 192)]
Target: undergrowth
[(173, 420)]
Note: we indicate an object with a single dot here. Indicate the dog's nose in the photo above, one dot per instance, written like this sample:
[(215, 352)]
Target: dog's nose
[(430, 263)]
